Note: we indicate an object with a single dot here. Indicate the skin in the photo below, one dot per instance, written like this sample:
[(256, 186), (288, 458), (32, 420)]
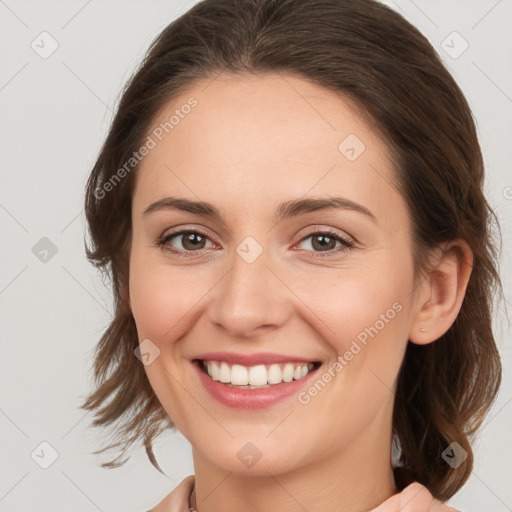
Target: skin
[(252, 143)]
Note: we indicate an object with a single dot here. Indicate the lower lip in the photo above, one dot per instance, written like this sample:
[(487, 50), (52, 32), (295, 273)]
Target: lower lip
[(251, 398)]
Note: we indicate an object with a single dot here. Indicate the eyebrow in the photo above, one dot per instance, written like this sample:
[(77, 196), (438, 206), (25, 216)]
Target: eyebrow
[(285, 210)]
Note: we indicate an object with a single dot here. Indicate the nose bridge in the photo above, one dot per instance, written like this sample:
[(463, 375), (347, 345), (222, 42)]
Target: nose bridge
[(250, 296)]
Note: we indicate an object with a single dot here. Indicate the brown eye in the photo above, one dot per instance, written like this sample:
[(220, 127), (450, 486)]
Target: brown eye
[(325, 242), (193, 241), (188, 241)]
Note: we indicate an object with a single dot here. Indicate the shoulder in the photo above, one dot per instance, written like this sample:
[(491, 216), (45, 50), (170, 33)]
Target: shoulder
[(178, 499)]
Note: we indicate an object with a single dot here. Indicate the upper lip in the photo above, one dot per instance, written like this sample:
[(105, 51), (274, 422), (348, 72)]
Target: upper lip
[(252, 359)]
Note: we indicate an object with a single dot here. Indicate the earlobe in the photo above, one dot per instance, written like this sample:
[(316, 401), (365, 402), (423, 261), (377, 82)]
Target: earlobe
[(443, 292)]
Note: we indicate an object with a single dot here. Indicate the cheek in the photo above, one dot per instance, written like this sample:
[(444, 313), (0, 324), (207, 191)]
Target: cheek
[(150, 304), (356, 307), (363, 315), (164, 299), (154, 302), (366, 332)]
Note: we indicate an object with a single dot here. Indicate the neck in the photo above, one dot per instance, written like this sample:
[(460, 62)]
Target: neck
[(357, 479)]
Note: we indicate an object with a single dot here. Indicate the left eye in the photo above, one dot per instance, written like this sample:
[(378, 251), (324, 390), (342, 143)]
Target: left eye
[(326, 241)]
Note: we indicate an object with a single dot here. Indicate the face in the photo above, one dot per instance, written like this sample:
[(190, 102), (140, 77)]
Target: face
[(269, 274)]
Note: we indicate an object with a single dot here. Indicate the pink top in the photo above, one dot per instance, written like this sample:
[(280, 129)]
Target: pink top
[(179, 499)]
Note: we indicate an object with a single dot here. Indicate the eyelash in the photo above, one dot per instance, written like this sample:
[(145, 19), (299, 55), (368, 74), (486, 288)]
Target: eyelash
[(347, 244)]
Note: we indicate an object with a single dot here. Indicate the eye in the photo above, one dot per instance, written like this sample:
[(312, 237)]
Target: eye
[(190, 240), (325, 242)]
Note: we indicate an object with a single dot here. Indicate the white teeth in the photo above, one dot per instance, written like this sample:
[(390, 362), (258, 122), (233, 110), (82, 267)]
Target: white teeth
[(256, 376), (274, 374), (225, 373), (239, 375), (214, 370), (288, 372)]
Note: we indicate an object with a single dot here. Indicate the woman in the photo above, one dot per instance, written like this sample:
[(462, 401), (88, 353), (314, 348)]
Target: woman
[(289, 203)]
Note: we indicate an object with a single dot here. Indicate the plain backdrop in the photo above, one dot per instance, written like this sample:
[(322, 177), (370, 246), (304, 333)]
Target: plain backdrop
[(55, 110)]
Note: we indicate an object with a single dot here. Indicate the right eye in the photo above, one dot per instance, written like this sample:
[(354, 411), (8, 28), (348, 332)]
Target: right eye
[(190, 240)]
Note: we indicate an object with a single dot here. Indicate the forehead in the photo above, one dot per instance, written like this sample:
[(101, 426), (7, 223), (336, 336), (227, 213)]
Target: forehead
[(268, 138)]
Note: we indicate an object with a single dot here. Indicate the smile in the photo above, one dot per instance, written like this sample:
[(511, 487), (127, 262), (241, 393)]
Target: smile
[(258, 376), (253, 385)]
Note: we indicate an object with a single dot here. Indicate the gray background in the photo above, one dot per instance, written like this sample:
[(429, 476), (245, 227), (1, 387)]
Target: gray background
[(54, 113)]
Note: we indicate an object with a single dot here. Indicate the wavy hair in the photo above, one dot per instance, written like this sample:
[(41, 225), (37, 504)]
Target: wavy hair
[(370, 54)]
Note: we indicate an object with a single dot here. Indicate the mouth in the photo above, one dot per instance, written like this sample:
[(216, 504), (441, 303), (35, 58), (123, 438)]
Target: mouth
[(259, 376)]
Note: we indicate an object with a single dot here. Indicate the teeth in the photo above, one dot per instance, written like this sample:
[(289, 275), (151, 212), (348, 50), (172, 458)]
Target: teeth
[(259, 376), (287, 372), (274, 375), (239, 375), (224, 373)]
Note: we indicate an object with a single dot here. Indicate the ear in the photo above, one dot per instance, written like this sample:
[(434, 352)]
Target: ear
[(442, 291)]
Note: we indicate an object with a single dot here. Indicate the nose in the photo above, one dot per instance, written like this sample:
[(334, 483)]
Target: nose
[(250, 299)]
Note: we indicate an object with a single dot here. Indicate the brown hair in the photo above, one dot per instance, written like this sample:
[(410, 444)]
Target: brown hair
[(373, 56)]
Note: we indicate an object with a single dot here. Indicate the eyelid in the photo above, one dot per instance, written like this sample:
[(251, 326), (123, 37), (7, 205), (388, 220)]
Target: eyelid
[(347, 242), (186, 228), (322, 228)]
